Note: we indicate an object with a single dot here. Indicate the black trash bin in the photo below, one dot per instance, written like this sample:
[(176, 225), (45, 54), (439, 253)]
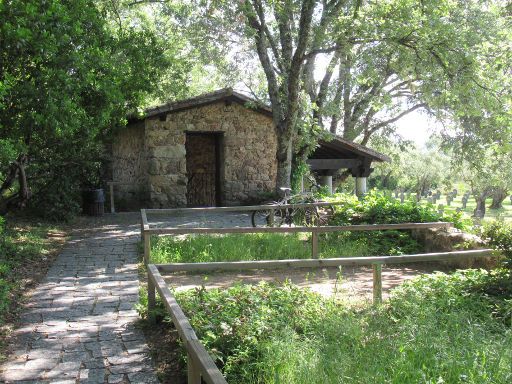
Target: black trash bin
[(93, 202)]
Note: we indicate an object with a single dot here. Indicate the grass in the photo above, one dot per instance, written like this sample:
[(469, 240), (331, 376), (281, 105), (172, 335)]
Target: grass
[(504, 213), (25, 252), (435, 329), (262, 246)]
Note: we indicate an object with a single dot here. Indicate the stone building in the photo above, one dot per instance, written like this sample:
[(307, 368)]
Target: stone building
[(212, 150)]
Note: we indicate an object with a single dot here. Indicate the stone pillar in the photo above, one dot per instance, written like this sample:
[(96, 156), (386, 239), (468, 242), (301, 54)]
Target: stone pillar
[(360, 186), (326, 181)]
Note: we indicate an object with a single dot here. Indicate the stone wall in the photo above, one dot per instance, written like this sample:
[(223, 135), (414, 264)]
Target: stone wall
[(129, 167), (155, 155), (452, 239)]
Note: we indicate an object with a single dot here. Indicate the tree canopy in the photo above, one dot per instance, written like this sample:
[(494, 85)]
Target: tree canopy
[(70, 71), (68, 76), (362, 65)]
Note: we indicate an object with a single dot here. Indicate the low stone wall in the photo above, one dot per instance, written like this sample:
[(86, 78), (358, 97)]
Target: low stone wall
[(451, 239)]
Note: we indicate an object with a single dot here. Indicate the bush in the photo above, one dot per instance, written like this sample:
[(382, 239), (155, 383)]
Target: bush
[(376, 208), (480, 294), (57, 201), (498, 234), (436, 329), (232, 323)]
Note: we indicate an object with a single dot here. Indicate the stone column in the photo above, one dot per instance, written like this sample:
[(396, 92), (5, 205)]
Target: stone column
[(326, 181), (360, 186)]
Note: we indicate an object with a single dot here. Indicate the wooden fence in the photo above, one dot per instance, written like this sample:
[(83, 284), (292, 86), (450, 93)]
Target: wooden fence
[(200, 365), (147, 231), (201, 368)]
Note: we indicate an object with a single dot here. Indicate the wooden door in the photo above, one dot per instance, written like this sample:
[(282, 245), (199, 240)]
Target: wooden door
[(202, 169)]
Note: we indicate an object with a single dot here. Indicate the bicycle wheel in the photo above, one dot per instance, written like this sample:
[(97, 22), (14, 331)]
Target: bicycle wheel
[(261, 218)]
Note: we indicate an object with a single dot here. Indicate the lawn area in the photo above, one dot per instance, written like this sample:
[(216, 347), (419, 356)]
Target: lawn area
[(263, 246), (504, 213), (435, 329), (26, 251)]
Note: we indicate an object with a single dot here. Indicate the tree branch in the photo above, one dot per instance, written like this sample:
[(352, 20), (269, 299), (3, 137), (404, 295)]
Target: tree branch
[(261, 16)]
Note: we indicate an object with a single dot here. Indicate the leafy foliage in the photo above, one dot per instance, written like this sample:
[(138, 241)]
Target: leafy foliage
[(481, 294), (438, 328), (363, 65), (377, 208), (66, 79), (499, 235)]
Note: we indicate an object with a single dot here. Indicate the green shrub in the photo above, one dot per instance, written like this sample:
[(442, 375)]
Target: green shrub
[(59, 200), (376, 208), (233, 323), (498, 234), (480, 294), (436, 329)]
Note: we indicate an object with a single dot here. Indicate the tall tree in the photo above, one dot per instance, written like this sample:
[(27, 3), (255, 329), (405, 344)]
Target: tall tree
[(363, 64), (66, 78)]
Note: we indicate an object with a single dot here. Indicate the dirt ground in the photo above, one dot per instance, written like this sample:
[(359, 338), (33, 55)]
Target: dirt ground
[(349, 284)]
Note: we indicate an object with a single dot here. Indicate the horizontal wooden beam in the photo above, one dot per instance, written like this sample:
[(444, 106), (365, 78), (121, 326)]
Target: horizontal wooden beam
[(318, 164), (320, 229), (209, 371), (241, 208), (207, 367), (179, 319), (319, 263)]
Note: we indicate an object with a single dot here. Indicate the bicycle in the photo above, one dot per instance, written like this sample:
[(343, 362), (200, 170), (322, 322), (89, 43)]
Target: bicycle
[(306, 215)]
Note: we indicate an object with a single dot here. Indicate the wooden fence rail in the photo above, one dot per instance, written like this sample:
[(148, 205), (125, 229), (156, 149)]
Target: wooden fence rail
[(200, 365), (243, 208), (147, 231)]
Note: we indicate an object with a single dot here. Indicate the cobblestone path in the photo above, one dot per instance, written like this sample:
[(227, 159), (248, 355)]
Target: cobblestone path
[(78, 325)]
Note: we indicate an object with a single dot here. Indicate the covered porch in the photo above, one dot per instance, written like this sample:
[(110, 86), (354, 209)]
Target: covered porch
[(331, 156)]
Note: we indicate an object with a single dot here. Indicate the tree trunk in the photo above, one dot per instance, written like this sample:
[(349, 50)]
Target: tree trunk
[(284, 159), (498, 196), (24, 194), (480, 202), (21, 197), (385, 180), (480, 207)]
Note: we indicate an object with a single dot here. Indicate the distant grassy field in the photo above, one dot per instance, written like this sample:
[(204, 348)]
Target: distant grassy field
[(490, 214)]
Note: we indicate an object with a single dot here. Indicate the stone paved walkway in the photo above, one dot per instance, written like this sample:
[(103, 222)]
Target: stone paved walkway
[(78, 326)]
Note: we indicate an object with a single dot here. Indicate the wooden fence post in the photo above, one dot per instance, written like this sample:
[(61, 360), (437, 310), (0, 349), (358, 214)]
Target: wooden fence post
[(151, 299), (193, 374), (314, 245), (112, 208), (377, 283), (271, 217), (147, 247)]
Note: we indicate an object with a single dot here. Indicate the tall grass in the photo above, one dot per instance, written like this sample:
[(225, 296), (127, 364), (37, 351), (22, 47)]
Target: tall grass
[(278, 246), (436, 329), (259, 246)]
